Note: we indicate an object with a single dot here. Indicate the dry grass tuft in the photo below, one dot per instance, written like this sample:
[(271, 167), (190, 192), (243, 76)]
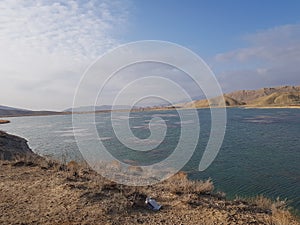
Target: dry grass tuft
[(268, 204), (262, 202), (280, 217), (180, 184), (73, 168), (280, 214)]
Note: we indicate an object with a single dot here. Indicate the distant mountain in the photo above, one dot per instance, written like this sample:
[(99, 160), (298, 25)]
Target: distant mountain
[(98, 108), (10, 111), (2, 107), (283, 96), (6, 111)]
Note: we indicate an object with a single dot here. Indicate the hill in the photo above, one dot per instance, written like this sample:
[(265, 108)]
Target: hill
[(250, 95), (10, 111), (6, 111), (277, 99), (283, 96), (2, 107), (97, 108), (215, 102)]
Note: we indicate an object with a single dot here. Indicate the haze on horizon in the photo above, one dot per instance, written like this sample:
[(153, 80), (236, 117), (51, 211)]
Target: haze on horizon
[(47, 45)]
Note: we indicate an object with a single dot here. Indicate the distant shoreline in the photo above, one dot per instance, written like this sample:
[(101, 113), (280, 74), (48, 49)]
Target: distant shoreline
[(150, 109), (271, 107)]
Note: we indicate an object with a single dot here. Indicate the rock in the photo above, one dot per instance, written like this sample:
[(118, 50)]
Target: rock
[(4, 121), (13, 147)]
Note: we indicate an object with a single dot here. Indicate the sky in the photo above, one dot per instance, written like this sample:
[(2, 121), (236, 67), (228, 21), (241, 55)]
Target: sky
[(46, 46)]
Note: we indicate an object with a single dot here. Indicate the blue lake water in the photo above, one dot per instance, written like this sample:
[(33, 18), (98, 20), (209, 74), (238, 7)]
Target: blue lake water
[(260, 153)]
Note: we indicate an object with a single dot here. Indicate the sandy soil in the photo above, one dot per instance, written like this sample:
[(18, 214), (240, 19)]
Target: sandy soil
[(45, 192)]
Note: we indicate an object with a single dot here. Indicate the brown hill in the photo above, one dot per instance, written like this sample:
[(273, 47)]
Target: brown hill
[(283, 96), (250, 95), (277, 99), (214, 102)]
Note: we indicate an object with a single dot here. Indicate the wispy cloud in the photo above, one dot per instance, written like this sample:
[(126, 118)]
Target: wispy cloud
[(46, 45), (271, 58)]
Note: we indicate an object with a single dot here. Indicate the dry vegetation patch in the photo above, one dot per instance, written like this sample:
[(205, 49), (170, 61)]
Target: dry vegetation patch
[(47, 192)]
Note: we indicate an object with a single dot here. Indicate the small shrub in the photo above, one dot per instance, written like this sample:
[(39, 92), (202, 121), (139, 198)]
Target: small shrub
[(262, 202), (73, 168)]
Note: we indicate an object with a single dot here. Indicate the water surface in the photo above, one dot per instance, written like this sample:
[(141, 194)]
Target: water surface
[(260, 153)]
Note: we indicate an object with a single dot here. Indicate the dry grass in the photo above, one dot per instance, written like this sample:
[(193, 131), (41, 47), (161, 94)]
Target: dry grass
[(280, 217), (266, 203), (180, 184), (280, 214), (72, 193)]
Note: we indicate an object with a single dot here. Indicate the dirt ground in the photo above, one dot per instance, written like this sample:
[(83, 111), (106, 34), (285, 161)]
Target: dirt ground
[(45, 192)]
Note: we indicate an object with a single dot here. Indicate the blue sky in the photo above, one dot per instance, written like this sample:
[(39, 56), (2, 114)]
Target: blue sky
[(47, 45), (209, 27)]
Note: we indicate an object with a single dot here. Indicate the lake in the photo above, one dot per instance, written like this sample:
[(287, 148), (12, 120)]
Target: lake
[(260, 153)]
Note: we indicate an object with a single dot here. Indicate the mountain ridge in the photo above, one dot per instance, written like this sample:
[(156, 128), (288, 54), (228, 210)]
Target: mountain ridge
[(97, 108), (249, 95), (280, 96), (7, 111)]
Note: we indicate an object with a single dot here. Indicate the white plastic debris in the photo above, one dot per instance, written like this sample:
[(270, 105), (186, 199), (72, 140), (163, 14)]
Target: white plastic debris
[(152, 204)]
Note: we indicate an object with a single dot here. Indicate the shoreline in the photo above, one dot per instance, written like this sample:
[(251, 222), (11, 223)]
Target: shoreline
[(272, 107), (37, 190), (75, 194), (153, 109)]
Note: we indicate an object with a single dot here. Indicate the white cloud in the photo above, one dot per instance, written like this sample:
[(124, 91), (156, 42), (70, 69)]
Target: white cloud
[(272, 58), (149, 79), (46, 45)]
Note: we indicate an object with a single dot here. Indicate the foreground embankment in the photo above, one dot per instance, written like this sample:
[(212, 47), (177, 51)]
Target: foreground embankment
[(35, 190)]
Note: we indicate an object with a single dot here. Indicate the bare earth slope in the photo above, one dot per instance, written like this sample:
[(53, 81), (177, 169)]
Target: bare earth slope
[(277, 99), (284, 96), (215, 102), (250, 95)]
